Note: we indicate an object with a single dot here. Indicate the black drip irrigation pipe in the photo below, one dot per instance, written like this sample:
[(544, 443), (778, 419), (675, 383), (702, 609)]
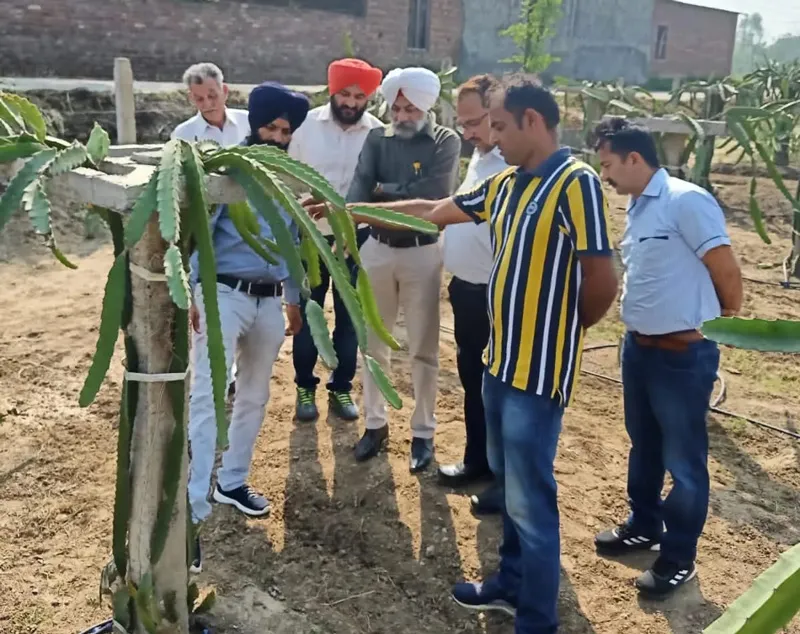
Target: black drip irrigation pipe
[(714, 403), (789, 286), (714, 406), (106, 627)]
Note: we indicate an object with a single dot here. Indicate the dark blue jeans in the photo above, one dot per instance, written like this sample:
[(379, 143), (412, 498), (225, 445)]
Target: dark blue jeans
[(522, 432), (667, 397), (304, 352)]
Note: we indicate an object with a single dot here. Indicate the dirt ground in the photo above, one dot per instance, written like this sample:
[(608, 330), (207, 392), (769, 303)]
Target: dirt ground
[(365, 548)]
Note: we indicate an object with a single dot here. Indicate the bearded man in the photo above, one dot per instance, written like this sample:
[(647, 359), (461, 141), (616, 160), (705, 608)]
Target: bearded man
[(411, 158), (330, 141)]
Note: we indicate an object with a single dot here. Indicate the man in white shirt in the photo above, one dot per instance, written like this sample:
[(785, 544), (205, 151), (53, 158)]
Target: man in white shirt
[(330, 141), (467, 254), (213, 121)]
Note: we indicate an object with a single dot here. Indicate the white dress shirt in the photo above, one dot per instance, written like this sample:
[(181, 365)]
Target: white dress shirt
[(330, 149), (234, 131), (467, 249)]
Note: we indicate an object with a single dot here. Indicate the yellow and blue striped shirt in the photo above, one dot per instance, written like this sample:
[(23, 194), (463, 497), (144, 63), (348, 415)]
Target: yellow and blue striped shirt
[(540, 222)]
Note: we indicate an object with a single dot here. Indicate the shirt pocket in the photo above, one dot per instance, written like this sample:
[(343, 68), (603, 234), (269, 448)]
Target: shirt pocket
[(650, 253)]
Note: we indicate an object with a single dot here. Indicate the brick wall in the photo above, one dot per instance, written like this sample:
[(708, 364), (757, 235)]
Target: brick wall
[(251, 41), (699, 40)]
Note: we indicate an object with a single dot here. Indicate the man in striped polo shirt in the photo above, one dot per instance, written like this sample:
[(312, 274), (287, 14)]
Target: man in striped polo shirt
[(552, 278)]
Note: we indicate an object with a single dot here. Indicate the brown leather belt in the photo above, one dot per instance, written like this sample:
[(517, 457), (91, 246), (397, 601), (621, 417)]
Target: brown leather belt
[(675, 341)]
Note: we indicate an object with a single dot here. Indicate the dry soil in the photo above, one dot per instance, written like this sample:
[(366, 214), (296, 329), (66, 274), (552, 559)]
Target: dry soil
[(352, 548)]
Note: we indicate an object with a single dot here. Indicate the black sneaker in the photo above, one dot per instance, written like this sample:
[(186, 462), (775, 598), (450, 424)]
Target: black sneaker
[(247, 500), (624, 539), (664, 578), (196, 566), (488, 502), (483, 596), (342, 406), (306, 405)]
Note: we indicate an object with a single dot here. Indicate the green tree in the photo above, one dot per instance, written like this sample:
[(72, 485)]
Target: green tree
[(750, 49), (785, 49), (537, 25)]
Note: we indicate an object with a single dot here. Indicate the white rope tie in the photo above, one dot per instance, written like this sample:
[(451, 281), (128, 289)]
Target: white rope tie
[(139, 377), (149, 276), (168, 377)]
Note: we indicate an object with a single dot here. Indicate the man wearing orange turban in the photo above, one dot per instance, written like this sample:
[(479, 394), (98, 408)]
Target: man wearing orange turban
[(330, 141), (344, 73)]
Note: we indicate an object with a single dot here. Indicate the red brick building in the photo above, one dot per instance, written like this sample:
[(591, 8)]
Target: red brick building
[(252, 40), (691, 41)]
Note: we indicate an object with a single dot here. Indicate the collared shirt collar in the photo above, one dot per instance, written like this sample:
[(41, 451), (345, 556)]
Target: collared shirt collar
[(204, 121), (656, 184), (493, 157), (550, 163), (325, 113), (494, 152)]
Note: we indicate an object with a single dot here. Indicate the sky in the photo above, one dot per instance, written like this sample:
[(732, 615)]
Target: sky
[(780, 16)]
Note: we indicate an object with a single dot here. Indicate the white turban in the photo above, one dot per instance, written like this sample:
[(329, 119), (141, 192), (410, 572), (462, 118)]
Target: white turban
[(419, 85)]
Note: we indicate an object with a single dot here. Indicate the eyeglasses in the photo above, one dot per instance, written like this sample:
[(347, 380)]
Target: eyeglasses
[(472, 123)]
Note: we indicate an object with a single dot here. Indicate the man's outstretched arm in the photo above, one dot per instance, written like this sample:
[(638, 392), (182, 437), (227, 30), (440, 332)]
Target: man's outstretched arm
[(472, 205), (440, 212)]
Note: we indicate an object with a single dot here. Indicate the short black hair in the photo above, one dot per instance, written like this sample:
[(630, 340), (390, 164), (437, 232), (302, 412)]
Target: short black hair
[(521, 94), (623, 137)]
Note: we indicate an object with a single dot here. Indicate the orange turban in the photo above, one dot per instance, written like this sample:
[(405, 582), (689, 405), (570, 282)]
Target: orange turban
[(348, 72)]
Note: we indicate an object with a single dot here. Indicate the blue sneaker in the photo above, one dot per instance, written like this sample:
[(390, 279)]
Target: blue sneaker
[(483, 596)]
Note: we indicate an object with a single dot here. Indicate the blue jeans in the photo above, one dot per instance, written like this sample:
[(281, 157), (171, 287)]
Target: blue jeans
[(345, 343), (666, 401), (522, 432)]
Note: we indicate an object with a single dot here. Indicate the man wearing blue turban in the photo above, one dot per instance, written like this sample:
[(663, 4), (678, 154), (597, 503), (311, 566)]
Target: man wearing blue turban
[(249, 291), (275, 112)]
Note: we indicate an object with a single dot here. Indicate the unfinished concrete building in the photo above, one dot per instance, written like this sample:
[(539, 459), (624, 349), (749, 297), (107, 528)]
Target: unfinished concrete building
[(603, 40)]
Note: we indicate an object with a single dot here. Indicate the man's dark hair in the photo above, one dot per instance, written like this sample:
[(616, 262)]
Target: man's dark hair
[(521, 94), (481, 85), (623, 137)]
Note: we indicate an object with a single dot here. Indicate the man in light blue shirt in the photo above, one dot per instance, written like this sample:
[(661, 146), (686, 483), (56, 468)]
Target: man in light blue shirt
[(680, 272), (249, 291)]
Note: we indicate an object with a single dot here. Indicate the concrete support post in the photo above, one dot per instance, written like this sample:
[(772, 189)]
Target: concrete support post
[(673, 145), (151, 330), (124, 101)]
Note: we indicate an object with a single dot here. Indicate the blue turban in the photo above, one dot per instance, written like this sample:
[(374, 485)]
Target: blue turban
[(271, 100)]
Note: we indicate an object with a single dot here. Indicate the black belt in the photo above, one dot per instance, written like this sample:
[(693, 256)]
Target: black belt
[(256, 289), (405, 242)]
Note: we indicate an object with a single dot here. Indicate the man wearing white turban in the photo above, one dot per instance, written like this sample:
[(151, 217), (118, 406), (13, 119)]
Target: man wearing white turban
[(412, 157), (419, 85)]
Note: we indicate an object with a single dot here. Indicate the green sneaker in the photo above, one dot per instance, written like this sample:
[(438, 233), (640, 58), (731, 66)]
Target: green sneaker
[(306, 406), (342, 406)]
